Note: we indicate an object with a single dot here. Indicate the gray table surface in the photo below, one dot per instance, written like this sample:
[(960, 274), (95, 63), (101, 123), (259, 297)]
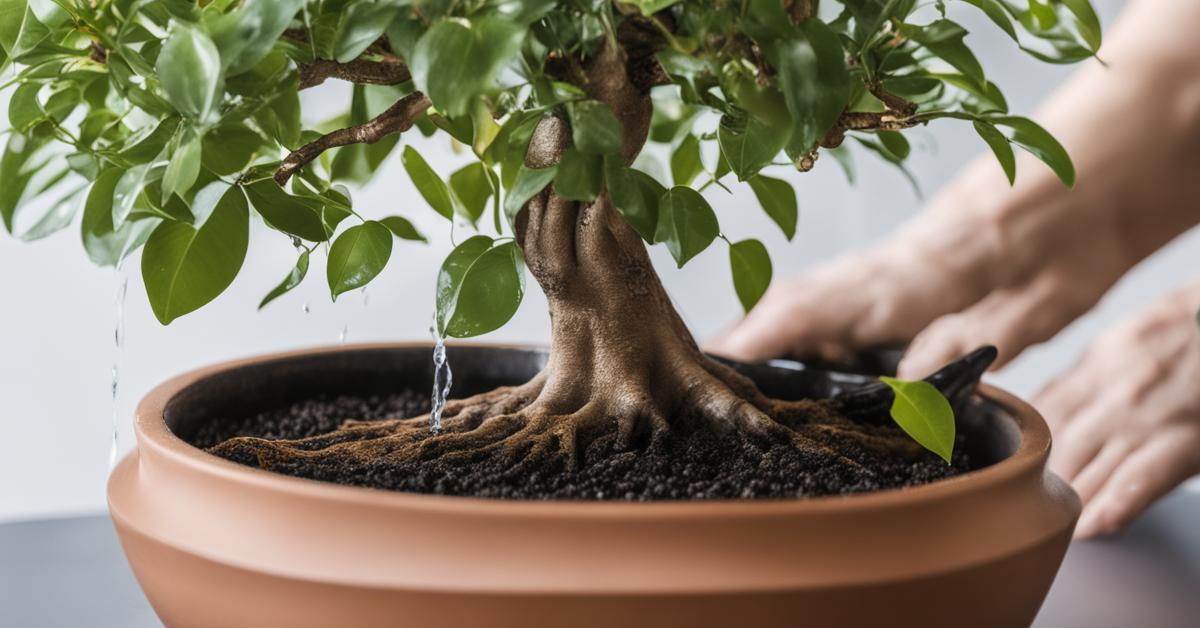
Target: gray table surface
[(71, 573)]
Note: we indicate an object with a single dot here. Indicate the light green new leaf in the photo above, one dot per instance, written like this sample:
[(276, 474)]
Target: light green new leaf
[(580, 175), (293, 279), (189, 69), (1000, 147), (490, 292), (686, 223), (129, 187), (528, 183), (924, 414), (778, 199), (428, 183), (751, 267), (685, 161), (24, 110), (1032, 137), (594, 128), (362, 24), (357, 256), (246, 35), (184, 267), (403, 229)]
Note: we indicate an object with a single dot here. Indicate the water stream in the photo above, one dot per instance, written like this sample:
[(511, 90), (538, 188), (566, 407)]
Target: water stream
[(118, 344), (442, 380)]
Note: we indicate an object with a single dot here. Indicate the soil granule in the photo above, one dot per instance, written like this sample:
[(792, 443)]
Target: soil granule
[(697, 465)]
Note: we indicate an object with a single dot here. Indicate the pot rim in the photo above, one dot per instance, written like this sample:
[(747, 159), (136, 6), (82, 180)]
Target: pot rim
[(153, 435)]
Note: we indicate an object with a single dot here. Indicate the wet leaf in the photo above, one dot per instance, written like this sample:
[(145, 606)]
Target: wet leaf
[(357, 256), (472, 188), (402, 228), (490, 292), (458, 59), (528, 183), (362, 24), (749, 150), (924, 414), (104, 245), (428, 183), (189, 68)]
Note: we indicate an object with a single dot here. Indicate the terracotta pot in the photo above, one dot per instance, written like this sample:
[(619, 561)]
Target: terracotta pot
[(217, 544)]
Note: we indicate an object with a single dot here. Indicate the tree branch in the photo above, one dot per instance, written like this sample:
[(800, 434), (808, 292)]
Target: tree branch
[(390, 70), (397, 119)]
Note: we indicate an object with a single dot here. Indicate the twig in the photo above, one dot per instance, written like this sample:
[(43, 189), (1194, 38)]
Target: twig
[(390, 70), (397, 119)]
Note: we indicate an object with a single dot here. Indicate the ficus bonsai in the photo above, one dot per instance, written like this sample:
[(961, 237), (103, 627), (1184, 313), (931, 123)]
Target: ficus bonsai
[(171, 122)]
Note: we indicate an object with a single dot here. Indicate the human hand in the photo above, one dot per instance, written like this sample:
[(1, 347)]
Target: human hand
[(1126, 418)]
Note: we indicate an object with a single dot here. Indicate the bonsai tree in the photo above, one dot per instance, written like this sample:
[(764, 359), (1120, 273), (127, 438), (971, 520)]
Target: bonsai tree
[(171, 123)]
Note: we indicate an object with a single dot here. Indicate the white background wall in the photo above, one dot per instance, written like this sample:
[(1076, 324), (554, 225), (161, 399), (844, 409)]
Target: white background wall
[(57, 311)]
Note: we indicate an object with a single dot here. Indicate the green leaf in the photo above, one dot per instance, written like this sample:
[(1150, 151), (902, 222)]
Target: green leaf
[(128, 188), (580, 176), (293, 279), (686, 223), (428, 183), (594, 128), (1086, 21), (189, 69), (55, 219), (749, 150), (184, 267), (997, 14), (635, 195), (778, 199), (182, 169), (362, 24), (357, 256), (1032, 137), (24, 110), (304, 218), (472, 188), (16, 174), (751, 267), (895, 143), (1000, 147), (924, 414), (104, 245), (490, 292), (812, 74), (247, 35), (529, 182), (229, 148), (451, 275), (944, 38), (685, 161), (650, 7), (402, 228), (456, 59)]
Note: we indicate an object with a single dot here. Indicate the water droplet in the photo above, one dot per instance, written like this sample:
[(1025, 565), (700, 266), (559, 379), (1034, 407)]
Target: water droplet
[(342, 336), (443, 378), (118, 345), (304, 308), (366, 297)]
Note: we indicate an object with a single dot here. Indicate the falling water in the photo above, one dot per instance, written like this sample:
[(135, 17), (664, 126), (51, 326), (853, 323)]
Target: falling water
[(118, 343), (442, 380), (342, 335), (304, 308)]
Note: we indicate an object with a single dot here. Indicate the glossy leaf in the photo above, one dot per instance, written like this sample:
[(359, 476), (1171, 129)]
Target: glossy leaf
[(944, 38), (472, 188), (635, 195), (189, 68), (686, 223), (457, 59), (357, 256), (104, 245), (685, 161), (528, 183), (185, 267), (294, 215), (813, 77), (1000, 148), (489, 293), (1032, 137), (362, 24), (450, 277), (924, 414), (246, 35), (778, 198), (182, 169), (428, 183), (293, 279), (402, 228), (579, 176), (751, 267), (749, 150)]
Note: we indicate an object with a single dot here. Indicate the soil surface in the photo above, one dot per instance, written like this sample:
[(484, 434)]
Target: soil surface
[(696, 465)]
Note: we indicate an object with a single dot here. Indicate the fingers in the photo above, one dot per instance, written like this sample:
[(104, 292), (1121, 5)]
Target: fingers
[(1011, 319), (780, 324), (1160, 465)]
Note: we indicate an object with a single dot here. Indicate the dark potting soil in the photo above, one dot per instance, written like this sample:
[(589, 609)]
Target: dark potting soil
[(696, 465)]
